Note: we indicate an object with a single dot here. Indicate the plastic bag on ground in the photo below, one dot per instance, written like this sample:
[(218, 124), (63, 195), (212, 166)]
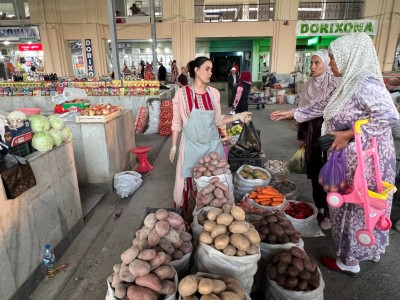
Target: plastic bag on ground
[(297, 163), (307, 227), (154, 117), (213, 261), (243, 186), (126, 183)]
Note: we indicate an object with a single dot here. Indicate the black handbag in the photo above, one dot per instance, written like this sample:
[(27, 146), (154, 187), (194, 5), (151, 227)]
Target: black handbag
[(325, 141), (18, 178)]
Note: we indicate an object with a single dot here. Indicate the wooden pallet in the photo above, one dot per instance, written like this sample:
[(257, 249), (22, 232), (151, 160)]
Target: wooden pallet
[(98, 118)]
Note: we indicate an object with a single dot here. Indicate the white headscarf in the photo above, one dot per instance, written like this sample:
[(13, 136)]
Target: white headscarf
[(356, 59), (319, 87)]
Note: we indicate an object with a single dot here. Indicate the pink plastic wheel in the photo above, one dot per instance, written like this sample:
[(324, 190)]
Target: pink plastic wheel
[(335, 200), (365, 238), (384, 223)]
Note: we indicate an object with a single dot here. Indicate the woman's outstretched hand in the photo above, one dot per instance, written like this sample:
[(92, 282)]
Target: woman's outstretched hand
[(281, 115), (342, 138)]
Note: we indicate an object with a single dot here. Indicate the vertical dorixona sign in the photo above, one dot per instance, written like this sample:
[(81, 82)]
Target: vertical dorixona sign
[(89, 57)]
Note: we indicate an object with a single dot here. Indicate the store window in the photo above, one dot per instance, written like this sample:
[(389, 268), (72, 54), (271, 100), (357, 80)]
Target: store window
[(78, 65), (14, 10), (132, 7)]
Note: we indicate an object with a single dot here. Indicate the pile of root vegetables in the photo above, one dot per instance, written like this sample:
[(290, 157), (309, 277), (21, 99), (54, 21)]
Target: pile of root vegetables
[(215, 194), (274, 228), (145, 270), (202, 286), (294, 270), (227, 231), (212, 164)]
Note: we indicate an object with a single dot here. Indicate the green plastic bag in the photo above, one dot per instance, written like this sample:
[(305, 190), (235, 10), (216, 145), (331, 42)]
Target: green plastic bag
[(297, 163)]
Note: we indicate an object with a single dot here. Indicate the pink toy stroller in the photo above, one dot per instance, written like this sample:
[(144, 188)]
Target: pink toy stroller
[(374, 203)]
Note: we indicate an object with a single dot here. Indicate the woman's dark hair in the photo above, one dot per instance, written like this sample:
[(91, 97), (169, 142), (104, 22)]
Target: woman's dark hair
[(197, 63)]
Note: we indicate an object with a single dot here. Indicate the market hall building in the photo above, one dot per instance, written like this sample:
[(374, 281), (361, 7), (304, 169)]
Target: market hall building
[(280, 33)]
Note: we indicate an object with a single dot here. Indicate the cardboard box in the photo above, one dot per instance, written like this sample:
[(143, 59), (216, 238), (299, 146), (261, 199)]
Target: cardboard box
[(74, 107), (17, 136)]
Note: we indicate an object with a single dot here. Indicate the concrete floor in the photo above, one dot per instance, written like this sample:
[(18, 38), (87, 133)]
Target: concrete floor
[(111, 224)]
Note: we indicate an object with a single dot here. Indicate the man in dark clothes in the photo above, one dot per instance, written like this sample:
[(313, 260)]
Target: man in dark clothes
[(233, 82), (182, 78), (162, 74)]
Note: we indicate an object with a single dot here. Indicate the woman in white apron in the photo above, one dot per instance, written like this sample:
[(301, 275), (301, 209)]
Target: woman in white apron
[(197, 112)]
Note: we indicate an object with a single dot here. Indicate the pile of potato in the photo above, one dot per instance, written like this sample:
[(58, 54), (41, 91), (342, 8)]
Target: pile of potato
[(249, 173), (215, 194), (212, 164), (143, 275), (193, 287), (294, 270), (164, 231), (274, 228), (227, 231)]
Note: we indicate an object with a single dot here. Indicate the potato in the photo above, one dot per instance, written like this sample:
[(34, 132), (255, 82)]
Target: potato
[(212, 214), (298, 264), (175, 220), (271, 238), (211, 167), (239, 241), (209, 225), (144, 232), (283, 239), (285, 223), (285, 257), (314, 280), (218, 286), (210, 297), (302, 285), (296, 251), (205, 238), (162, 228), (208, 189), (147, 254), (239, 227), (168, 287), (139, 267), (125, 274), (276, 229), (177, 255), (271, 219), (240, 253), (221, 241), (206, 199), (116, 279), (160, 258), (305, 275), (161, 214), (272, 272), (252, 250), (253, 236), (188, 285), (281, 267), (150, 281), (165, 272), (136, 292), (186, 236), (289, 230), (229, 250), (238, 213), (173, 236), (166, 245), (186, 248), (205, 286), (291, 282), (225, 219), (281, 279), (216, 202), (192, 297), (140, 244), (218, 171), (117, 267), (217, 230), (236, 288), (227, 295), (292, 272), (120, 290), (150, 220), (153, 238), (129, 255), (178, 244), (219, 193), (309, 265), (226, 208), (264, 229), (293, 239)]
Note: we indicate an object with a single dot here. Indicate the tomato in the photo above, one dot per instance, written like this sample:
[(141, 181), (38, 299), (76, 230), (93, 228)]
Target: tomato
[(299, 216)]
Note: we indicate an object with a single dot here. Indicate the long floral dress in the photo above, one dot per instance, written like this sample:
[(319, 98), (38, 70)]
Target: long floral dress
[(372, 101)]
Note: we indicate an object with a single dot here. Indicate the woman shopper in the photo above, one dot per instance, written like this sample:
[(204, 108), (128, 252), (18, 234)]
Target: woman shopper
[(361, 94), (318, 88), (197, 113), (174, 72), (242, 93), (233, 81)]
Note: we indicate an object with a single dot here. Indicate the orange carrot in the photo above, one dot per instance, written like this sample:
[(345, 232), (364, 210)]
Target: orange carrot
[(253, 195)]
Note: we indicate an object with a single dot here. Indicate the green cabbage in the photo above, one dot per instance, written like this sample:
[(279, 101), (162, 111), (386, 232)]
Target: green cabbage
[(39, 123), (57, 136), (16, 115), (42, 141), (66, 133), (56, 122)]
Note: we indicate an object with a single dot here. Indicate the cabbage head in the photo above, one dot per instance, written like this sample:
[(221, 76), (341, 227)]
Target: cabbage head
[(16, 115), (42, 141), (39, 123), (66, 132), (57, 136), (56, 122)]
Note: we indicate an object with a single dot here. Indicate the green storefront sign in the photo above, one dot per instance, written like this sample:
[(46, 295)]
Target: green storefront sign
[(335, 28)]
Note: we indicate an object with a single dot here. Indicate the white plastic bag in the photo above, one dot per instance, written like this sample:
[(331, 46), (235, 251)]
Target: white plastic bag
[(275, 292), (126, 183), (196, 227), (226, 179), (154, 117), (244, 186), (182, 265), (69, 94), (269, 250), (213, 261), (307, 227)]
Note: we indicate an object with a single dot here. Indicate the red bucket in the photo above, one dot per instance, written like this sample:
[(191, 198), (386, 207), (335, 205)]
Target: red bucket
[(30, 111)]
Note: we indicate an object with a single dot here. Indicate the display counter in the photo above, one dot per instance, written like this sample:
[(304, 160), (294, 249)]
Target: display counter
[(49, 212)]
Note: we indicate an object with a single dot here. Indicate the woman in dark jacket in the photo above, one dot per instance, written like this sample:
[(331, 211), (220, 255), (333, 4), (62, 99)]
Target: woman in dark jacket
[(242, 93)]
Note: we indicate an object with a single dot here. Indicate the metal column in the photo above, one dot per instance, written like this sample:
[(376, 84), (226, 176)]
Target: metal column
[(114, 39), (153, 37)]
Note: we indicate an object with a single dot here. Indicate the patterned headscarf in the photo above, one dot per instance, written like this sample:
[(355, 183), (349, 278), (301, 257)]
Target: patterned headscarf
[(321, 86), (356, 59)]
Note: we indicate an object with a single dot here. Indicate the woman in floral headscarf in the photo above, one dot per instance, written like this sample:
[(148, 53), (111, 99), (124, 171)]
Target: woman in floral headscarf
[(318, 88), (361, 94)]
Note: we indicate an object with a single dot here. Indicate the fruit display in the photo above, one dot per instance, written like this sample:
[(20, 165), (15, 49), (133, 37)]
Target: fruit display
[(235, 130), (299, 210), (274, 228), (249, 173), (227, 231), (294, 270), (100, 109)]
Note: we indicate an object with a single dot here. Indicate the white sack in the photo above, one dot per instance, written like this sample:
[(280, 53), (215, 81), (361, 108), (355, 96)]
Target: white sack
[(226, 179), (154, 117), (243, 186)]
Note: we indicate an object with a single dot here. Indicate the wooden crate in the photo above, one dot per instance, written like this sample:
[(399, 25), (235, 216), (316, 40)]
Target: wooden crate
[(98, 118)]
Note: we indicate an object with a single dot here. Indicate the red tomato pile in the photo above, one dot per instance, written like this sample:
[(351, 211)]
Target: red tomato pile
[(164, 129), (299, 210)]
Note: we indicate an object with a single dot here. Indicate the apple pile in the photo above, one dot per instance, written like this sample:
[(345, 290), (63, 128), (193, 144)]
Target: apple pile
[(100, 109), (299, 210)]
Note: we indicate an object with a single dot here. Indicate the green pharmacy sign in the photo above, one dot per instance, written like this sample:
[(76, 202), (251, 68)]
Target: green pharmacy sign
[(336, 28)]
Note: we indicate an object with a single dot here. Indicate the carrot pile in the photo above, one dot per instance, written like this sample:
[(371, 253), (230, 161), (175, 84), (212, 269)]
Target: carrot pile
[(267, 196)]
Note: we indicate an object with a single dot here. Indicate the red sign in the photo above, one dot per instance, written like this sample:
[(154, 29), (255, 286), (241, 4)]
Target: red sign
[(30, 47)]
